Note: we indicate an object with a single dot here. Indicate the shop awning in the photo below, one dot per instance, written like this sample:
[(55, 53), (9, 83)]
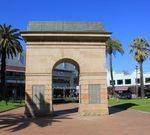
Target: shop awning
[(121, 88)]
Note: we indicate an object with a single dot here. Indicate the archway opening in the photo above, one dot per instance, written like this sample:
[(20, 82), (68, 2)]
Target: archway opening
[(65, 84)]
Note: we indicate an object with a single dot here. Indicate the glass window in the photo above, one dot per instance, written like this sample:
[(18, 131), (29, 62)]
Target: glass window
[(119, 82), (111, 82), (147, 80), (127, 81)]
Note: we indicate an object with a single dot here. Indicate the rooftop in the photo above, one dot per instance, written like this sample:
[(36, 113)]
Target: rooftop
[(66, 26)]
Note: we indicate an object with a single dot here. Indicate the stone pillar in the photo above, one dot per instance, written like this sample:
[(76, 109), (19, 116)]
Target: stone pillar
[(38, 95), (93, 95)]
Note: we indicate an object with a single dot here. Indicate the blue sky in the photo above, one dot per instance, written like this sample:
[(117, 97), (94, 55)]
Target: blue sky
[(127, 19)]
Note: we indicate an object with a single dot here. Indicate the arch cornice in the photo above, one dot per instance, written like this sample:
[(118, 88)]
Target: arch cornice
[(46, 36)]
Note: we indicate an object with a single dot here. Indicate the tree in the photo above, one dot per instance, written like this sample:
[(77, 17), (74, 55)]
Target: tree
[(10, 46), (140, 49), (112, 47)]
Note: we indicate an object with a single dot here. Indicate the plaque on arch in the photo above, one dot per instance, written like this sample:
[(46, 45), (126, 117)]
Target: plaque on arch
[(94, 93)]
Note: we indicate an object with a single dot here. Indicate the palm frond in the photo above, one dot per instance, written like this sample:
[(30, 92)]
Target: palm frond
[(140, 49), (10, 40), (114, 46)]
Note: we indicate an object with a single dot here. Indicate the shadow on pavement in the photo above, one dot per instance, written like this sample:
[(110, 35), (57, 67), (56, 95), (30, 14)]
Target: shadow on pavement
[(120, 107), (15, 122), (65, 112)]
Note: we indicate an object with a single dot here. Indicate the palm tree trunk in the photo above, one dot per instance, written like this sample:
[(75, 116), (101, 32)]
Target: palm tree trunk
[(141, 80), (111, 74), (3, 74)]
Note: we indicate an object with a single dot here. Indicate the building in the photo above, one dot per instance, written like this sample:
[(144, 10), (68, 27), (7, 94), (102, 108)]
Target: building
[(124, 81), (65, 82), (15, 76)]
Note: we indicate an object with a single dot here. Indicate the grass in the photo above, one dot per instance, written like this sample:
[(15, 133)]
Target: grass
[(10, 106), (136, 104)]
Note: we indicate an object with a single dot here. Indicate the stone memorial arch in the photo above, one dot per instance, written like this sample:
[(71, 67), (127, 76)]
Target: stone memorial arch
[(82, 44)]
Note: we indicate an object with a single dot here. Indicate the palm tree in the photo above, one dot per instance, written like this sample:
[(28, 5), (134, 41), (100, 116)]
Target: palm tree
[(10, 46), (140, 49), (112, 47)]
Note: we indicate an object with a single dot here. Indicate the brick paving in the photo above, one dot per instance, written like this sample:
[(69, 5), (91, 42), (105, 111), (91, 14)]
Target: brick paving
[(67, 122)]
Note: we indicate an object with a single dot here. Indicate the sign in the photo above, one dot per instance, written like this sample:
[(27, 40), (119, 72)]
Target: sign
[(94, 93)]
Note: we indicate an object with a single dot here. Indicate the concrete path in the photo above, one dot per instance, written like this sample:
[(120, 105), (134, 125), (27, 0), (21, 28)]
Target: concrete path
[(68, 122)]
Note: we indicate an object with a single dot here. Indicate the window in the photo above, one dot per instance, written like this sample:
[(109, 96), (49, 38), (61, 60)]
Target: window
[(111, 82), (119, 82), (15, 75), (147, 80), (127, 81), (137, 80)]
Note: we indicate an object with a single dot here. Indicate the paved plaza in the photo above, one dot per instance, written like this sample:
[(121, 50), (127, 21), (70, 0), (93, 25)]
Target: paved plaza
[(66, 121)]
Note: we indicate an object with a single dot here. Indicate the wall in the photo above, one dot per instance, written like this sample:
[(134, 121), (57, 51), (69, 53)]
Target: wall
[(40, 59)]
